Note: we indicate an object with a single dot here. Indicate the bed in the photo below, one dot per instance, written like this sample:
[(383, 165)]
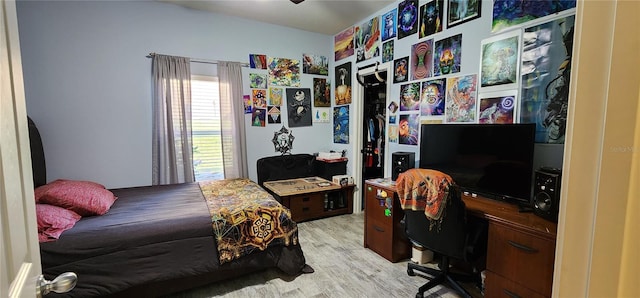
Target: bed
[(156, 240)]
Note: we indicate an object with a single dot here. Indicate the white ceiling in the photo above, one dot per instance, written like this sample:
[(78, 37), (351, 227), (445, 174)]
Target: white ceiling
[(322, 16)]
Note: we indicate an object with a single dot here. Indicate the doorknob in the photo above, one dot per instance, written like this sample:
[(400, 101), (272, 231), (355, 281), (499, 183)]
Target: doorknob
[(65, 282)]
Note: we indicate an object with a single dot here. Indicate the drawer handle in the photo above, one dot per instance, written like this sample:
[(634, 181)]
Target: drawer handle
[(305, 199), (305, 209), (377, 228), (522, 247), (510, 294)]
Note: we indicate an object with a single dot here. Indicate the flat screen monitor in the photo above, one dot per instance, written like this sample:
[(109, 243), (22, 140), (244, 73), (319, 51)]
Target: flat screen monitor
[(490, 160)]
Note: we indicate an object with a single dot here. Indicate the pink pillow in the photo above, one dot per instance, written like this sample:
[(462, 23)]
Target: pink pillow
[(53, 220), (84, 197)]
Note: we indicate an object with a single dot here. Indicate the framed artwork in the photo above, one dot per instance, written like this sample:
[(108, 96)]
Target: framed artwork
[(343, 44), (408, 129), (273, 115), (367, 39), (341, 124), (497, 107), (401, 70), (506, 14), (389, 24), (410, 96), (462, 11), (284, 72), (315, 64), (460, 102), (447, 55), (258, 61), (387, 51), (500, 61), (431, 19), (343, 84), (432, 97), (422, 60), (321, 98), (407, 18)]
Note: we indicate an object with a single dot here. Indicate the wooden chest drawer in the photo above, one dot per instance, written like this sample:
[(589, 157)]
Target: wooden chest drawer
[(380, 238), (306, 206), (497, 286), (523, 258)]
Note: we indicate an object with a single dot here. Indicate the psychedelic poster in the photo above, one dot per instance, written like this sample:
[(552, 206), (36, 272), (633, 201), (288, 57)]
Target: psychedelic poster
[(259, 98), (432, 97), (275, 96), (257, 80), (258, 117), (341, 124), (460, 103), (343, 44), (407, 18), (343, 84), (299, 106), (462, 11), (367, 39), (321, 98), (408, 129), (315, 64), (507, 14), (497, 107), (393, 133), (401, 70), (410, 97), (447, 55), (421, 60), (387, 51), (389, 24), (284, 72), (431, 18), (248, 104), (258, 61), (499, 61), (545, 74), (273, 115)]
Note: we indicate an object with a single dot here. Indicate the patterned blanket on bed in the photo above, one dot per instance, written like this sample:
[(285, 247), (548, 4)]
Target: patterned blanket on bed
[(246, 218)]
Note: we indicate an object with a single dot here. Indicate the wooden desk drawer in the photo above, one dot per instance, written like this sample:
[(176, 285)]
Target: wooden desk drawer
[(306, 206), (380, 238), (521, 257), (375, 211), (497, 286)]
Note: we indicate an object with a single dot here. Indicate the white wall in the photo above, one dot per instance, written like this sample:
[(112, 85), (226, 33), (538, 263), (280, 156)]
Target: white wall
[(88, 82)]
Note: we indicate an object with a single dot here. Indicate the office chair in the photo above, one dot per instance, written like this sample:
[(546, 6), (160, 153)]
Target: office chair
[(452, 236)]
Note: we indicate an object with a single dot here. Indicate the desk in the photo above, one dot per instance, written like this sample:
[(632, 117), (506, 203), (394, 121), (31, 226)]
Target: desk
[(520, 249), (312, 197)]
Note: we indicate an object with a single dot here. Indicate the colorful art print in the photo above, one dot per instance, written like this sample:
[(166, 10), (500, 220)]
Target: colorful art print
[(422, 60), (545, 75), (284, 72), (408, 129), (299, 107), (393, 107), (392, 119), (499, 60), (460, 102), (431, 120), (432, 97), (275, 96), (341, 124), (274, 115), (387, 51), (322, 115), (321, 95), (507, 14), (389, 24), (343, 84), (315, 64), (343, 44), (257, 80), (259, 98), (431, 18), (258, 61), (367, 39), (258, 117), (248, 104), (410, 97), (401, 70), (407, 18), (447, 55), (462, 11), (393, 133), (497, 108)]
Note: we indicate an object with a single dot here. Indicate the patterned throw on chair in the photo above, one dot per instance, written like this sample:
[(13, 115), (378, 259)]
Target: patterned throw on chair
[(425, 189)]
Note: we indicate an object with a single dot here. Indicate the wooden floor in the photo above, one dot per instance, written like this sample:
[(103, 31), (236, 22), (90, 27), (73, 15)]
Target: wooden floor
[(343, 268)]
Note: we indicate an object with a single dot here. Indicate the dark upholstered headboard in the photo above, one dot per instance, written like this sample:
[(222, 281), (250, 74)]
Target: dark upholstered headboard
[(285, 167), (37, 156)]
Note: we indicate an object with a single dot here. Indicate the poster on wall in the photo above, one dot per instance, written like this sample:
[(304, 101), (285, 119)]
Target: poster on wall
[(408, 129), (343, 44), (341, 124), (299, 106), (447, 55), (462, 11), (321, 93), (431, 18), (258, 117), (393, 133), (410, 96), (343, 84), (497, 107), (460, 103), (259, 98), (257, 80), (500, 60), (248, 103), (367, 39), (506, 14), (422, 60), (258, 61), (315, 64), (407, 18), (322, 115), (432, 97), (273, 115), (275, 96), (546, 71), (401, 70), (389, 24), (387, 51), (284, 72)]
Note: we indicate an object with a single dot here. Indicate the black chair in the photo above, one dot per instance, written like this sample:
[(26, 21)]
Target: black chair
[(455, 237)]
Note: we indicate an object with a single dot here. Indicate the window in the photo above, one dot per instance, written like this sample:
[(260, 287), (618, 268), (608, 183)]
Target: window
[(206, 129)]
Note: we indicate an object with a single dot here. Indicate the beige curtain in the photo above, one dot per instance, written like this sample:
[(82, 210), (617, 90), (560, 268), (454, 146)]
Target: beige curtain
[(172, 147), (233, 131)]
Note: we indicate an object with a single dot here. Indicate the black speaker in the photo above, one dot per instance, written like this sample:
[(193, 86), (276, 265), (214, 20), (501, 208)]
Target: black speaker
[(400, 162), (546, 193)]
